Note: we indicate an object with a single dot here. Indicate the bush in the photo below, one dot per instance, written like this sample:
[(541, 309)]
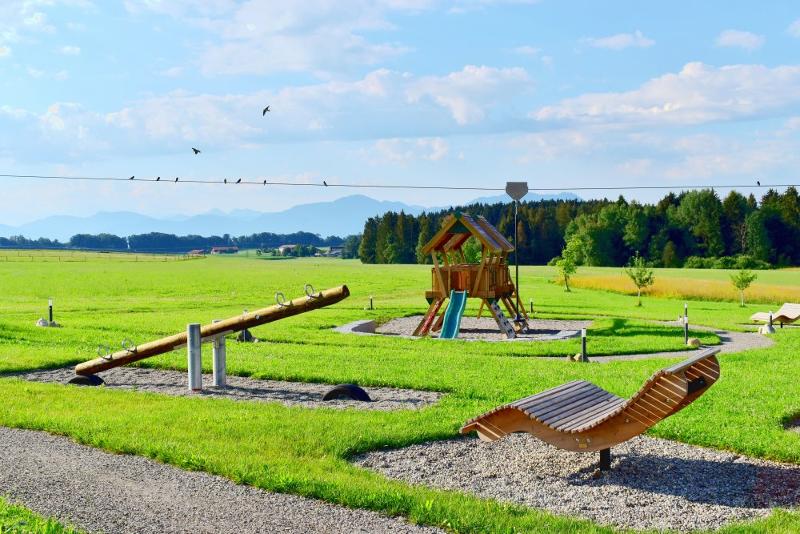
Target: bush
[(742, 261)]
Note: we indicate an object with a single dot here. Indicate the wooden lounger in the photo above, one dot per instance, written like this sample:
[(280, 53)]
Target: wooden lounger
[(787, 314), (580, 416)]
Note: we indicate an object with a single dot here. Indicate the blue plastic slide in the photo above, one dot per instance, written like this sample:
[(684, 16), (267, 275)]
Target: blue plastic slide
[(452, 317)]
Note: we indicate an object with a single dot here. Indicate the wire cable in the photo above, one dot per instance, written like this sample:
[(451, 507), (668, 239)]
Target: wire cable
[(324, 184)]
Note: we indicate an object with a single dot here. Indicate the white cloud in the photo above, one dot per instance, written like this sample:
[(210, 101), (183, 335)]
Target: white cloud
[(70, 50), (406, 150), (697, 94), (794, 28), (740, 39), (172, 72), (466, 94), (5, 51), (527, 50), (621, 41)]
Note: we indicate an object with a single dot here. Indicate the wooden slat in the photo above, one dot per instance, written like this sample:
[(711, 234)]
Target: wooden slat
[(589, 405), (532, 400), (585, 400), (557, 399), (586, 417)]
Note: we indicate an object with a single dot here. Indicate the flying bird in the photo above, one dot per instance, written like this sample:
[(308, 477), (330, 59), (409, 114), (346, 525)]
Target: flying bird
[(324, 183), (239, 181), (196, 152), (266, 109), (158, 179), (131, 178)]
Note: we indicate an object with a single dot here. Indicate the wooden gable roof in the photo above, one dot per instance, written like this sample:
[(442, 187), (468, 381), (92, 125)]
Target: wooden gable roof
[(458, 227)]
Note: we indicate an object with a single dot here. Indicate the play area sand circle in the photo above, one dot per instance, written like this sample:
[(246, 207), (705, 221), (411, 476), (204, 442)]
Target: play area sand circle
[(653, 483), (308, 395), (486, 329)]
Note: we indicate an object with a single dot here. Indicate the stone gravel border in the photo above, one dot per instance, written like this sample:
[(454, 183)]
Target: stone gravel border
[(308, 395), (101, 492), (653, 483)]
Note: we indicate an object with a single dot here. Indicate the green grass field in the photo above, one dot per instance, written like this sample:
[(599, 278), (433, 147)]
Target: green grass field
[(16, 519), (305, 451)]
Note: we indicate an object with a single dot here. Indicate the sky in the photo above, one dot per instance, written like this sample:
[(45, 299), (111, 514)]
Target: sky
[(465, 93)]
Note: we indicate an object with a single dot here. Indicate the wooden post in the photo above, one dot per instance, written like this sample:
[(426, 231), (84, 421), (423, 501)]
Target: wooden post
[(219, 356), (686, 323), (194, 348), (208, 332)]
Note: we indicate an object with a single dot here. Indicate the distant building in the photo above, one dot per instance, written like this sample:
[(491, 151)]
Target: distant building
[(336, 252), (286, 249), (224, 250)]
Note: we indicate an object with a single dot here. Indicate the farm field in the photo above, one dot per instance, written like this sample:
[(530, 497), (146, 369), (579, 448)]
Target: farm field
[(306, 451), (772, 286)]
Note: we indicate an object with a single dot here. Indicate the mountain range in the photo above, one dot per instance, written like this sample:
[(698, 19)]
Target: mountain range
[(341, 217)]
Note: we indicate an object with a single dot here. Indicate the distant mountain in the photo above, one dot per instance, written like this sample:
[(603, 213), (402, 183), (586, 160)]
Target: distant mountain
[(341, 217)]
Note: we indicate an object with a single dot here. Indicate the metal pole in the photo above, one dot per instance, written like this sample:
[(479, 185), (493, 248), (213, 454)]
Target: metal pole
[(218, 351), (531, 306), (605, 459), (584, 357), (50, 309), (685, 323), (370, 302), (518, 318), (193, 346)]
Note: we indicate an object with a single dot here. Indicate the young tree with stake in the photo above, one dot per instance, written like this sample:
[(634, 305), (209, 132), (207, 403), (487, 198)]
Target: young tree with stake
[(742, 281), (640, 273)]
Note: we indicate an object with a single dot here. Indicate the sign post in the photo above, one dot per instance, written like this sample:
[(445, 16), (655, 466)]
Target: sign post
[(516, 190)]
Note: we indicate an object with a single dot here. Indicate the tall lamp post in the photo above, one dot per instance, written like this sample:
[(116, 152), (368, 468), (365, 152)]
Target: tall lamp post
[(516, 190)]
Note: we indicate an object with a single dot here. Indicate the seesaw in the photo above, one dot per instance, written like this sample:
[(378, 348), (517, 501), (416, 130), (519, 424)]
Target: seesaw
[(215, 333)]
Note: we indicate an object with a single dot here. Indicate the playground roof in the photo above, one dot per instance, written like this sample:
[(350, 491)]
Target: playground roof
[(458, 227)]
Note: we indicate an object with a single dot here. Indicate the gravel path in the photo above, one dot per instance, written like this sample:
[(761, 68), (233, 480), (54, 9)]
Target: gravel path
[(731, 342), (243, 388), (101, 492), (485, 329), (653, 483)]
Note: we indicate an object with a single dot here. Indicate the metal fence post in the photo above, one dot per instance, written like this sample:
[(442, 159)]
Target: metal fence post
[(220, 372), (193, 348), (584, 357)]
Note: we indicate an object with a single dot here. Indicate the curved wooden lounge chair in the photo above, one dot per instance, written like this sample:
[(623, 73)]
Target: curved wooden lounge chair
[(580, 416), (787, 314)]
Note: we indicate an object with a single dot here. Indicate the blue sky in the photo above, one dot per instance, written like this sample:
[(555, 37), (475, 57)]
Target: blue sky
[(470, 92)]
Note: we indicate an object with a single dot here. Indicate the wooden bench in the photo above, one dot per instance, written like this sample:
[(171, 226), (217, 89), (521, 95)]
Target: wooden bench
[(787, 314), (580, 416)]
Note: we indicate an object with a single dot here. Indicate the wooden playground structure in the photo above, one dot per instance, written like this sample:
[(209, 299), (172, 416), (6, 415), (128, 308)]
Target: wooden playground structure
[(488, 280)]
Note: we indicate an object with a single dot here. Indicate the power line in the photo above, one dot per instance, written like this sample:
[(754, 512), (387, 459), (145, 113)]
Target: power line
[(325, 184)]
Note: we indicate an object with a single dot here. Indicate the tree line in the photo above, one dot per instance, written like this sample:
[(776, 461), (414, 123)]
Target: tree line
[(692, 229), (170, 243)]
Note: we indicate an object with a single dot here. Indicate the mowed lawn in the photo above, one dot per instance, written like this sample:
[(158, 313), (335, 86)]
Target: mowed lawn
[(305, 451)]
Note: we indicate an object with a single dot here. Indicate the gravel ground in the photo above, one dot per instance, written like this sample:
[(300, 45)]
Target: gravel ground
[(731, 342), (242, 388), (101, 492), (653, 483), (485, 329)]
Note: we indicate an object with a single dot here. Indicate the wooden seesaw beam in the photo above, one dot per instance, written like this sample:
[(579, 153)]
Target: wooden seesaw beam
[(210, 331)]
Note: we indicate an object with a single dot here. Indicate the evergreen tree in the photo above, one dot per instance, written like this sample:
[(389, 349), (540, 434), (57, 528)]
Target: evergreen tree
[(366, 249)]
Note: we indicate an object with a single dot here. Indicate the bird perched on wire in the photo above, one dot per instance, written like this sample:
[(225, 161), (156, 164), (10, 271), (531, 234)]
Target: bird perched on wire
[(758, 183), (196, 152), (239, 181), (224, 180), (158, 179), (266, 110), (265, 182), (131, 178), (176, 179), (324, 183)]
